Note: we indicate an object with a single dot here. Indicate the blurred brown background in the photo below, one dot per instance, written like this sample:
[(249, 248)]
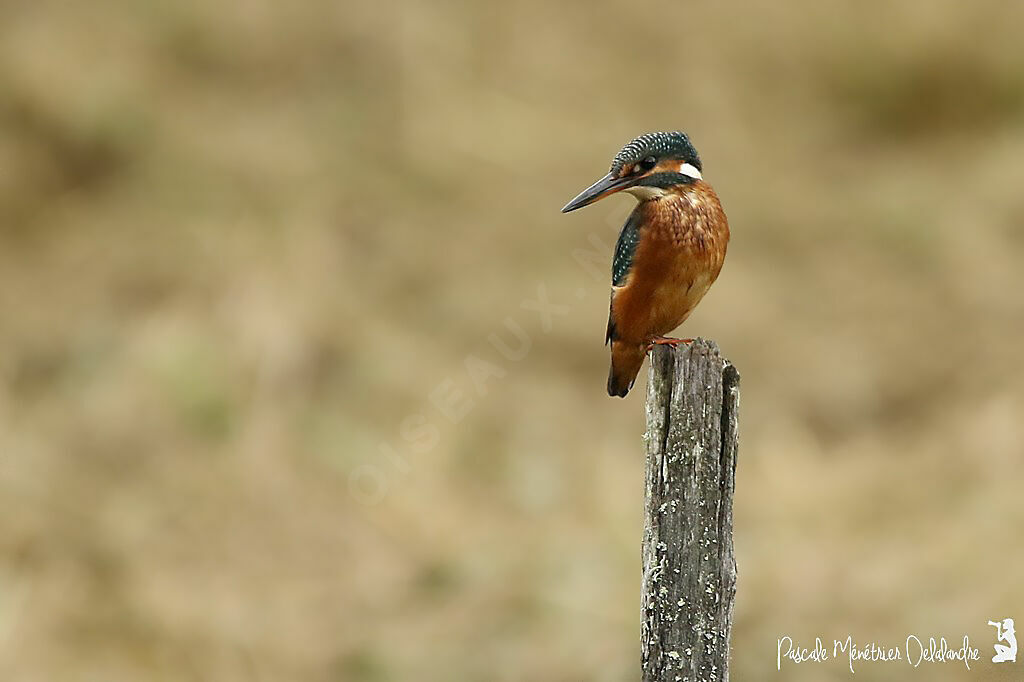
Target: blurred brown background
[(252, 253)]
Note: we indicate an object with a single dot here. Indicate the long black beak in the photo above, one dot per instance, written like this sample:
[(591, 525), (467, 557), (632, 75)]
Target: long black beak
[(609, 184)]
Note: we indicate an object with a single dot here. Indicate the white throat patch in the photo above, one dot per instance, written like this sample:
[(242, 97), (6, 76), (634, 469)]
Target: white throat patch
[(644, 193)]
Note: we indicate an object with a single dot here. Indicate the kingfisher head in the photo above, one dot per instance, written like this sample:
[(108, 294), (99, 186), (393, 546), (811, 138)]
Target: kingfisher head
[(648, 167)]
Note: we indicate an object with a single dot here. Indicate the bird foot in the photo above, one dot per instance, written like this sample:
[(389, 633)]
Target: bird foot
[(667, 341)]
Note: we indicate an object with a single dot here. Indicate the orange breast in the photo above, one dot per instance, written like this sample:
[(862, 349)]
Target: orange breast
[(683, 239)]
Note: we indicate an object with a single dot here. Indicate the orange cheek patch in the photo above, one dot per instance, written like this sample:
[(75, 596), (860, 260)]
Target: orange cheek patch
[(667, 166), (675, 166)]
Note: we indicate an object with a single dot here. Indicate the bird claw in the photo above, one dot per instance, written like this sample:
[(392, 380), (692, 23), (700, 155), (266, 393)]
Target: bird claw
[(667, 341)]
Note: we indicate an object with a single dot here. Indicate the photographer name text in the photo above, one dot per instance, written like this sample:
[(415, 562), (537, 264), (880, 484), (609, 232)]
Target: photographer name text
[(914, 651)]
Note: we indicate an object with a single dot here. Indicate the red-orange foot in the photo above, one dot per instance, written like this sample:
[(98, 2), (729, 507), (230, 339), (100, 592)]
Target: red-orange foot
[(667, 341)]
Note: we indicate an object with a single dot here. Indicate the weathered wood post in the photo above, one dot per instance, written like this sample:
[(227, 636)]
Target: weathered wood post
[(689, 577)]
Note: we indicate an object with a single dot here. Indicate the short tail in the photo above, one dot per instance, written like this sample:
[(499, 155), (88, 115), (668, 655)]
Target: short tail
[(626, 362)]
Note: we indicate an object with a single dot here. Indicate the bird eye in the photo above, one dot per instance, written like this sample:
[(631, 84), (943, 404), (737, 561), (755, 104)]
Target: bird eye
[(647, 164)]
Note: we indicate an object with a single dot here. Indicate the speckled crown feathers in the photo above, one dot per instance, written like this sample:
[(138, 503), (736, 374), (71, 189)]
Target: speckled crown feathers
[(672, 145)]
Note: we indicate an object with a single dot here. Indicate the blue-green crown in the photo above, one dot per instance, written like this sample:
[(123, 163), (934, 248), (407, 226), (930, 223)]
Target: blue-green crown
[(674, 145)]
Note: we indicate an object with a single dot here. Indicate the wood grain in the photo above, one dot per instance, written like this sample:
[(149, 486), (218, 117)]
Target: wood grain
[(689, 568)]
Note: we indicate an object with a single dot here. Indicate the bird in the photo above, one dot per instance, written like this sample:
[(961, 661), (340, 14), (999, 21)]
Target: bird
[(669, 252)]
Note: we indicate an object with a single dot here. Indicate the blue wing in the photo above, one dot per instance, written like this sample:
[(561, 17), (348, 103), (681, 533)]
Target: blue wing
[(625, 249), (622, 261)]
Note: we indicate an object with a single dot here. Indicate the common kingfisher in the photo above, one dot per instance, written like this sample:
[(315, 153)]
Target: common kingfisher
[(669, 252)]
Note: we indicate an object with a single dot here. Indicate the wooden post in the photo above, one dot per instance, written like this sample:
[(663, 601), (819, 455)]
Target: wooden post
[(689, 578)]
